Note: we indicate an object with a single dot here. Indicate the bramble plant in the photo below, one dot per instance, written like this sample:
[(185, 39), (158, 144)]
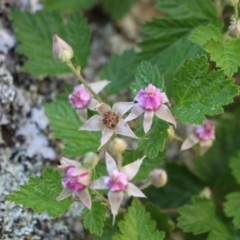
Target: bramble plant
[(183, 79)]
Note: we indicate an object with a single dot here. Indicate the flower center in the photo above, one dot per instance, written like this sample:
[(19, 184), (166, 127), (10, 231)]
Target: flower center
[(110, 119), (205, 131), (117, 181), (80, 97)]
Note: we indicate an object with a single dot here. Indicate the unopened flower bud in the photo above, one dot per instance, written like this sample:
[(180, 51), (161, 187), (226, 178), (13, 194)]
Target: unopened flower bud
[(158, 177), (171, 133), (232, 2), (62, 52), (118, 146), (234, 29), (90, 160)]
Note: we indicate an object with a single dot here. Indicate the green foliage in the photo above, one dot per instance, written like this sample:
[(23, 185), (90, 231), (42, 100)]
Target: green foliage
[(223, 52), (65, 122), (167, 45), (198, 93), (94, 219), (202, 217), (231, 207), (117, 9), (137, 225), (146, 74), (153, 142), (40, 194), (35, 31), (63, 5), (118, 72), (235, 166), (148, 164), (180, 188)]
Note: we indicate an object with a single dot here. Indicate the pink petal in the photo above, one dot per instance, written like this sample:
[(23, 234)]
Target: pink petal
[(106, 135), (92, 104), (132, 190), (103, 108), (205, 145), (164, 113), (164, 97), (136, 111), (66, 163), (98, 86), (123, 129), (82, 113), (147, 121), (189, 142), (110, 162), (85, 198), (99, 183), (95, 123), (64, 194), (115, 199), (131, 169), (122, 107)]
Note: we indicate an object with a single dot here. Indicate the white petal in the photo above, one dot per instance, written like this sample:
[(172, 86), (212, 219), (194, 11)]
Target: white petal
[(98, 86), (131, 169), (85, 198), (103, 108), (99, 183), (189, 142), (106, 135), (132, 190), (147, 121), (64, 194), (115, 199), (136, 111), (95, 123), (164, 113), (165, 98), (82, 113), (110, 162), (122, 107), (66, 163), (123, 129), (205, 145), (92, 104)]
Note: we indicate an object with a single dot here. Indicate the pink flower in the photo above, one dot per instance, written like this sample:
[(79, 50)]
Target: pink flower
[(82, 100), (151, 101), (109, 121), (203, 134), (77, 179), (118, 182)]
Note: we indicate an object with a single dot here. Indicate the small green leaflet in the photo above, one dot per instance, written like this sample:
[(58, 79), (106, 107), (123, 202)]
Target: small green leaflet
[(202, 217), (148, 164), (40, 194), (198, 93), (35, 31), (94, 219), (147, 74), (118, 71), (223, 52), (137, 225), (65, 122)]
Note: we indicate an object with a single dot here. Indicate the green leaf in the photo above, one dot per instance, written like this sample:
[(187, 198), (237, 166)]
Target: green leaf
[(148, 164), (40, 194), (223, 52), (63, 5), (153, 142), (167, 45), (118, 72), (137, 225), (201, 217), (180, 188), (117, 9), (35, 31), (235, 166), (146, 74), (94, 219), (65, 122), (231, 207), (198, 93)]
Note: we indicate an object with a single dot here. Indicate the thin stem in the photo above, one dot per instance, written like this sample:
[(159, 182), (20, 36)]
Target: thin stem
[(218, 4), (80, 78), (236, 12), (178, 138), (145, 185), (100, 195)]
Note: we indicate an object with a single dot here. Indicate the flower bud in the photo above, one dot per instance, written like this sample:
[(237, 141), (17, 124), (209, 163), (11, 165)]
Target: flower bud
[(90, 160), (232, 2), (234, 29), (62, 52), (118, 146), (158, 177), (171, 133)]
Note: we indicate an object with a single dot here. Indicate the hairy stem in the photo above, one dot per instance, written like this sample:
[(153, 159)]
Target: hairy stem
[(236, 12)]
